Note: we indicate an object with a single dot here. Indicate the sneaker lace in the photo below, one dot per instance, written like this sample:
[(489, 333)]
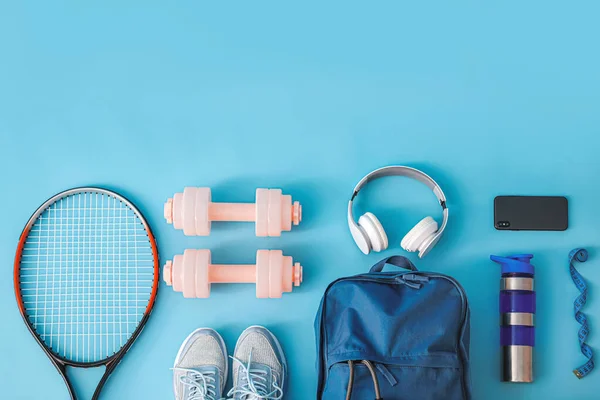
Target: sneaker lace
[(253, 384), (202, 386)]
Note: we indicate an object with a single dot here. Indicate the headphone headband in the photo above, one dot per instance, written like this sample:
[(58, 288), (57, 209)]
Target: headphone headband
[(409, 172), (400, 170)]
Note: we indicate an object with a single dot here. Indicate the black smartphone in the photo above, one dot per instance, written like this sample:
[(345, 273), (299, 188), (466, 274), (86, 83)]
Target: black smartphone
[(531, 213)]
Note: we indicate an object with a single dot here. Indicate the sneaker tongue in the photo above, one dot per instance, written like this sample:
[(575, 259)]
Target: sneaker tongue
[(205, 369)]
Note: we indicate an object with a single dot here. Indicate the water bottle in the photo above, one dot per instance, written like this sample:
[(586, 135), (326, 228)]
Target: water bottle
[(517, 312)]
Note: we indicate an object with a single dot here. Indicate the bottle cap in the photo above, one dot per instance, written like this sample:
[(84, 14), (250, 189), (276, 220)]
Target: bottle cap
[(518, 263)]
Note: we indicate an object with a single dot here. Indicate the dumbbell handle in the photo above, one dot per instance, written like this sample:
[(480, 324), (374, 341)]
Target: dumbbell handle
[(221, 212), (230, 273), (243, 212)]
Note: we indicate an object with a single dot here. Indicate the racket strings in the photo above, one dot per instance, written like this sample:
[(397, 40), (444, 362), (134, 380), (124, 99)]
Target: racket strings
[(86, 275)]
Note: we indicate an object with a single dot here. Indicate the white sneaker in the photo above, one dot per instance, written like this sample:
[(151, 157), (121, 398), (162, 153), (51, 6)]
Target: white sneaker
[(200, 370), (259, 366)]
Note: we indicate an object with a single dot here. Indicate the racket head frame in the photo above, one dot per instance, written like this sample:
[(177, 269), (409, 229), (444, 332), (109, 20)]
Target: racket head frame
[(61, 362)]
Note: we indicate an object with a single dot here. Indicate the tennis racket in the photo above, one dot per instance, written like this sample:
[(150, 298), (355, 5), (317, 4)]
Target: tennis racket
[(86, 276)]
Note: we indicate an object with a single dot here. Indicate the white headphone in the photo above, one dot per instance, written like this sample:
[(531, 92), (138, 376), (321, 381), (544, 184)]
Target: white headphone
[(369, 234)]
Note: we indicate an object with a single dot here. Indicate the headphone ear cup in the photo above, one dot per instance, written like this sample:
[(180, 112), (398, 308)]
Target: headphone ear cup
[(427, 245), (419, 235), (374, 231), (360, 238)]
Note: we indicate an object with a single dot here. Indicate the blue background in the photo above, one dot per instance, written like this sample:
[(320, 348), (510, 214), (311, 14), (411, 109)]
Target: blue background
[(146, 98)]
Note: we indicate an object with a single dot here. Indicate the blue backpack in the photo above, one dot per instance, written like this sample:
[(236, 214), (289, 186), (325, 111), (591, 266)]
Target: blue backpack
[(393, 335)]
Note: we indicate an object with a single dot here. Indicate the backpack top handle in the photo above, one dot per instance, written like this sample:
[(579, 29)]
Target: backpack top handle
[(397, 261)]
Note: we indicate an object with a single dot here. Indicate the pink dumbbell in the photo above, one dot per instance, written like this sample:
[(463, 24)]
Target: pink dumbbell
[(193, 211), (192, 273)]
